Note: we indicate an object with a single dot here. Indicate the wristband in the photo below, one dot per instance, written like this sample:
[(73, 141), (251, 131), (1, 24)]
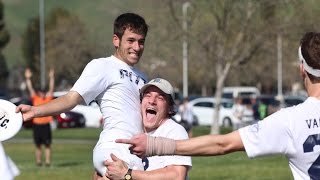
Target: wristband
[(160, 146)]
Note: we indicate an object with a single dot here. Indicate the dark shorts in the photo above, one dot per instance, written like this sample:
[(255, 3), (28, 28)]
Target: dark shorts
[(42, 134)]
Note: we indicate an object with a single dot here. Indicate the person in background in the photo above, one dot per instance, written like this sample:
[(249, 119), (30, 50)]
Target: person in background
[(114, 83), (238, 111), (263, 110), (292, 131), (157, 108), (186, 115), (255, 107), (42, 134)]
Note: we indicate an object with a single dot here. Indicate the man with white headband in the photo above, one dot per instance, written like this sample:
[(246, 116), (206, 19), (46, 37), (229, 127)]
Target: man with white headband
[(292, 131)]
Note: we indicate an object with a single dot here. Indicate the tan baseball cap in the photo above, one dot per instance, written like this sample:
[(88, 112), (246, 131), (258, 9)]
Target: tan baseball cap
[(160, 83)]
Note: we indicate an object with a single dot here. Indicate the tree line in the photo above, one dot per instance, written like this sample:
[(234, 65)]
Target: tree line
[(230, 42)]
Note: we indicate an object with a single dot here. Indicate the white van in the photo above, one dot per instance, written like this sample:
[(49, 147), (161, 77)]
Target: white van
[(242, 91)]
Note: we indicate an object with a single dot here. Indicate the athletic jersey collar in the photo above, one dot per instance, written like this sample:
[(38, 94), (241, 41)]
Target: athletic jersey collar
[(120, 61), (314, 99)]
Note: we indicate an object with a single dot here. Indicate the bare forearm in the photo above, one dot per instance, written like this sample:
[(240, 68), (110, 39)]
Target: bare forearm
[(51, 85), (29, 86), (51, 81), (166, 173), (59, 105), (210, 145)]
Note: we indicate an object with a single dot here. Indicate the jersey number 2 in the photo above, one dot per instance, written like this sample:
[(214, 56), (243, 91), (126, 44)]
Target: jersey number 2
[(308, 145)]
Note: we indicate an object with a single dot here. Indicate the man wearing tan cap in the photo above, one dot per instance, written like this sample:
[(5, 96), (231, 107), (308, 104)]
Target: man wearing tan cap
[(157, 108)]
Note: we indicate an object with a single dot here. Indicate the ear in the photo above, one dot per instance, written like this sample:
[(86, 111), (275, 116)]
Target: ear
[(115, 41), (302, 71)]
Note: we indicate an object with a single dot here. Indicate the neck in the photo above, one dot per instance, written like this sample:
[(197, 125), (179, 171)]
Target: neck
[(122, 59), (313, 89), (117, 56), (148, 130)]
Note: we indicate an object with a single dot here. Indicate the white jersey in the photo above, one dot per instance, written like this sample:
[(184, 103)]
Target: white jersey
[(172, 130), (294, 132), (115, 86)]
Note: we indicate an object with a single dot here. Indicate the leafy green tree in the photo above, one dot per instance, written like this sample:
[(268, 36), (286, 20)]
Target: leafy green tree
[(225, 35), (31, 46), (66, 45)]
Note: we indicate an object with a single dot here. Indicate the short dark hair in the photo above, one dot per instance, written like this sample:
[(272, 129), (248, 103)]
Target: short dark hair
[(310, 50), (130, 21), (172, 104)]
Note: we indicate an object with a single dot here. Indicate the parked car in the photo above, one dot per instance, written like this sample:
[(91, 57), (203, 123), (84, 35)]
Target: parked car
[(203, 108), (3, 95), (178, 119), (91, 112), (232, 92), (292, 100), (271, 101), (70, 120)]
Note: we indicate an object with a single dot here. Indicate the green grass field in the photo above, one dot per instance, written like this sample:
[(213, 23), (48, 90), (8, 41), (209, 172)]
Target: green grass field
[(72, 150)]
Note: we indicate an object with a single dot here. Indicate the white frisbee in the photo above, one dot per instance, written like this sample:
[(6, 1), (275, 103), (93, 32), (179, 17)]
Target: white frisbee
[(10, 121)]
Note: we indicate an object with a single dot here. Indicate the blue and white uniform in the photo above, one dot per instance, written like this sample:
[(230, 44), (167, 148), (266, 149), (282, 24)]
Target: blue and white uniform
[(292, 131), (115, 86)]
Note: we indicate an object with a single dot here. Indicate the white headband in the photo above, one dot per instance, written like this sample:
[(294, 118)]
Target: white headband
[(309, 69)]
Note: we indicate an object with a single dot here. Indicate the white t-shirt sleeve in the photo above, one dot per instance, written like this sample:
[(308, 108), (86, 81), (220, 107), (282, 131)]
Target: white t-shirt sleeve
[(179, 134), (169, 129), (93, 80), (269, 136)]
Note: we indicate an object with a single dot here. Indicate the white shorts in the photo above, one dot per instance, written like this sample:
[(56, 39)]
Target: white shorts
[(103, 150)]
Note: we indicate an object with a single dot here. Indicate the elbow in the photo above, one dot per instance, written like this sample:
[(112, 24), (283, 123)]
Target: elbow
[(230, 143), (229, 148), (177, 172), (226, 148), (222, 150), (179, 176)]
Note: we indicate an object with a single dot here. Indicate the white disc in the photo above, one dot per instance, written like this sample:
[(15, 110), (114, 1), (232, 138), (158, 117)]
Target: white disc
[(10, 121)]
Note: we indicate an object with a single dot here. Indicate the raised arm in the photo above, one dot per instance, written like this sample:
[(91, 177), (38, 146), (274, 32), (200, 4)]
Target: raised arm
[(62, 104), (51, 82), (28, 75), (210, 145)]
